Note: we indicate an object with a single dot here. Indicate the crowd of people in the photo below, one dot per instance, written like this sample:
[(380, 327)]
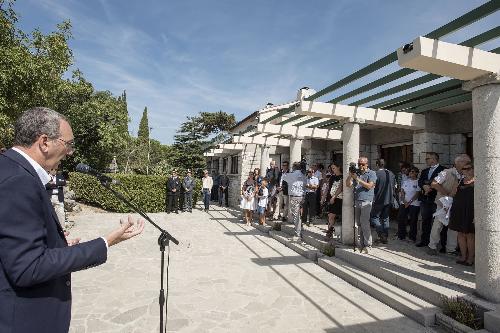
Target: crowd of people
[(442, 197), (298, 195)]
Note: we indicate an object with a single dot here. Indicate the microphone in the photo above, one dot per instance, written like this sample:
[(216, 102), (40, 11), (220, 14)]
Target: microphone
[(84, 168)]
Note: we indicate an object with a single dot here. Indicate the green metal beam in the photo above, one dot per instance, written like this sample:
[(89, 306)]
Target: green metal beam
[(474, 41), (482, 38), (428, 99), (401, 87), (254, 134), (442, 103), (374, 84), (289, 120), (447, 85), (308, 121), (333, 122), (460, 22), (324, 123), (356, 75), (468, 18), (279, 114), (248, 129), (268, 135)]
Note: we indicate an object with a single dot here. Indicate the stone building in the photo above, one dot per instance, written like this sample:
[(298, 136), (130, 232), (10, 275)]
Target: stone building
[(459, 113)]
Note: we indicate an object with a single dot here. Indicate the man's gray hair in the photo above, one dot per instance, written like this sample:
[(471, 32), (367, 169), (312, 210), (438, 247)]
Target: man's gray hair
[(464, 158), (35, 122)]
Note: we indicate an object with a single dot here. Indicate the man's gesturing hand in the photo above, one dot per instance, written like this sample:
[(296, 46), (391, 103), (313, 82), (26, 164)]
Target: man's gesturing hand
[(126, 231)]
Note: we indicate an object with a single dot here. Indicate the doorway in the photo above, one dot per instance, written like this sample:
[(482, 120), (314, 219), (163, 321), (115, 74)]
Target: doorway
[(394, 153)]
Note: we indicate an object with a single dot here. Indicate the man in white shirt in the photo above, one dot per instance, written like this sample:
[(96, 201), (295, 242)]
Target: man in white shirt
[(208, 183), (296, 184)]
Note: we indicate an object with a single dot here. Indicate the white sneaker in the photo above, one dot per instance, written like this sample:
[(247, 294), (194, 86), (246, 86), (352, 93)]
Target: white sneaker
[(296, 239)]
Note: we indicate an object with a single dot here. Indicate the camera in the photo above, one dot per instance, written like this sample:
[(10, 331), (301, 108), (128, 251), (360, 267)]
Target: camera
[(353, 169)]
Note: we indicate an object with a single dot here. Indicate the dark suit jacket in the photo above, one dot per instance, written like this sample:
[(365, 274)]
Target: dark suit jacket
[(173, 183), (35, 260), (424, 180)]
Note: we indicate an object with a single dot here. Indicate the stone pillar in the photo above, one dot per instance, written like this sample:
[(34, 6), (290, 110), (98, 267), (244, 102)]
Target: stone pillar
[(486, 135), (350, 141), (295, 150), (264, 159)]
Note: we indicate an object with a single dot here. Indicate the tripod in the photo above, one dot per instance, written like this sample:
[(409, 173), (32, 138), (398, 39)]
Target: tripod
[(353, 217), (163, 241)]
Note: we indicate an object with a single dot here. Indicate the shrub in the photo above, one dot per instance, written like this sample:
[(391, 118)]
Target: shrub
[(463, 311), (329, 250), (145, 192)]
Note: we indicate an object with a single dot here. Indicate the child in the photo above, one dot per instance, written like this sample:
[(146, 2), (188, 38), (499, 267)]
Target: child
[(262, 195), (410, 206)]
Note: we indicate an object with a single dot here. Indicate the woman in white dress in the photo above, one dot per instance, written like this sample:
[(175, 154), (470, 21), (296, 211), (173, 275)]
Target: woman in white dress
[(248, 198)]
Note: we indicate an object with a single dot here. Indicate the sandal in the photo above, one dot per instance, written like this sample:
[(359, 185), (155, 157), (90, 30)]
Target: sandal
[(460, 262)]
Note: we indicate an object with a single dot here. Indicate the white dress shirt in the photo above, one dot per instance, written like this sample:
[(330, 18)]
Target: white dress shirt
[(42, 174)]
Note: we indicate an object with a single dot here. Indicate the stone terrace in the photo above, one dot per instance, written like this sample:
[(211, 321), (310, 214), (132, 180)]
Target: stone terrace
[(224, 277)]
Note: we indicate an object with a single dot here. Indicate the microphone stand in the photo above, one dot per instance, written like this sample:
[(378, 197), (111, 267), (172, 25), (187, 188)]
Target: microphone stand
[(163, 241)]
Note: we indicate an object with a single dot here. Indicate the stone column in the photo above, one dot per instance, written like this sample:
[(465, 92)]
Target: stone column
[(295, 150), (264, 159), (350, 142), (486, 136)]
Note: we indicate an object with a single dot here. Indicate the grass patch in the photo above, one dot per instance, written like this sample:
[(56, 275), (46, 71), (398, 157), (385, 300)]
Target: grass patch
[(463, 311), (329, 250)]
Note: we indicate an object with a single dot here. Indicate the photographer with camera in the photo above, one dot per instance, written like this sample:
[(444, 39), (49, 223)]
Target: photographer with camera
[(363, 181)]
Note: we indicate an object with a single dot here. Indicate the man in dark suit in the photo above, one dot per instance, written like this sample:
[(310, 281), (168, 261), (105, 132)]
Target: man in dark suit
[(36, 260), (428, 195), (173, 191)]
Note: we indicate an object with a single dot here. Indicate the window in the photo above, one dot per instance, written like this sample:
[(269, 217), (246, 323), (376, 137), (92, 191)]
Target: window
[(224, 164), (234, 164), (215, 166)]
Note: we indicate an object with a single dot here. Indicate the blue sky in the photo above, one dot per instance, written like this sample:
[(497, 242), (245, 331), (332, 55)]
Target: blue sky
[(180, 57)]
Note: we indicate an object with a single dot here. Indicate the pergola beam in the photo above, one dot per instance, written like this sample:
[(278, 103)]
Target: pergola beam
[(447, 59), (231, 146), (371, 116), (261, 140), (300, 132), (460, 22)]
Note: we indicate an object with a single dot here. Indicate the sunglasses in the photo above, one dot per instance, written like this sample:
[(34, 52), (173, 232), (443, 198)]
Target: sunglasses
[(361, 164)]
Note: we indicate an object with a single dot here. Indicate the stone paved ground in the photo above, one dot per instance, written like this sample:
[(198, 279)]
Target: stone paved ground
[(224, 277)]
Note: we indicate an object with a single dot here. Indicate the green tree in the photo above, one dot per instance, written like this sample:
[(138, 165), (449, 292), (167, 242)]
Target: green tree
[(31, 66), (143, 133), (193, 135), (100, 126)]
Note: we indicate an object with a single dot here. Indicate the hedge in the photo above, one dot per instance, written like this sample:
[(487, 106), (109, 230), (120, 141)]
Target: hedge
[(146, 192)]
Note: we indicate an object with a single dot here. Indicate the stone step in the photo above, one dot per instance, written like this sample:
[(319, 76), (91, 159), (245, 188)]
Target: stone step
[(406, 303), (406, 279), (301, 248), (264, 228), (310, 235)]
